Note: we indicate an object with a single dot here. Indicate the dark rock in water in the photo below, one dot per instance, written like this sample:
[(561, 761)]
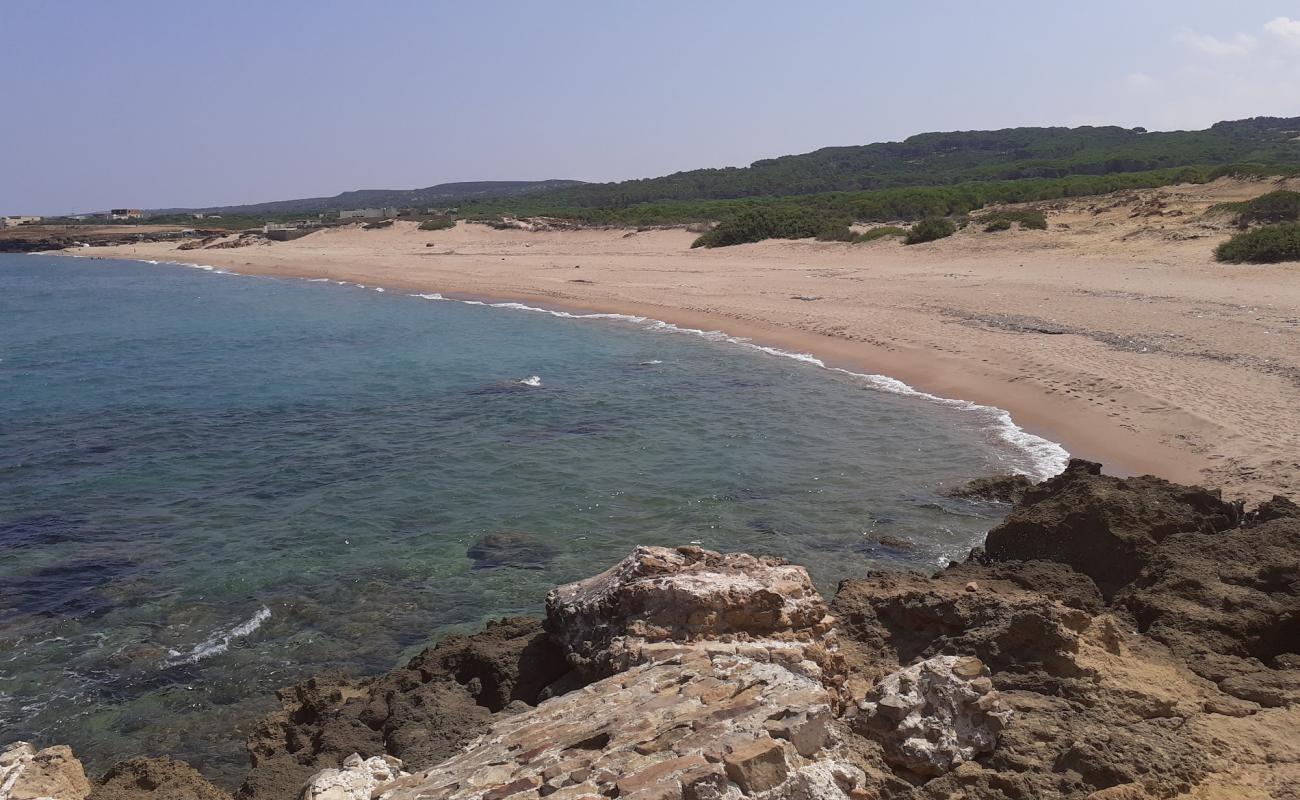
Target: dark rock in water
[(422, 712), (154, 779), (994, 488), (1105, 527), (510, 549), (68, 589)]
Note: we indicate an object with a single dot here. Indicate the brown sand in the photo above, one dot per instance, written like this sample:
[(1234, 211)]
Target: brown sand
[(1114, 332)]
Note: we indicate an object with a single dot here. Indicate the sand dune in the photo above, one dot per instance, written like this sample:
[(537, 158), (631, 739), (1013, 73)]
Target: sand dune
[(1114, 332)]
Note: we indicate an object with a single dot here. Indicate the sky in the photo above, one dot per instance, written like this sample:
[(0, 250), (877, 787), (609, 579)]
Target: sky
[(166, 104)]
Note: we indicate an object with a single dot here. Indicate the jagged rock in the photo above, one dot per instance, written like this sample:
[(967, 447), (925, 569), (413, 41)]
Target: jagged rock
[(421, 713), (50, 774), (1228, 604), (510, 549), (697, 726), (934, 715), (357, 780), (687, 594), (155, 779), (994, 488), (1105, 527), (1029, 636)]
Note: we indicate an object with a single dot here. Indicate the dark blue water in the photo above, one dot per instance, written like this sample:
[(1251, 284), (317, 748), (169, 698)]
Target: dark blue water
[(212, 485)]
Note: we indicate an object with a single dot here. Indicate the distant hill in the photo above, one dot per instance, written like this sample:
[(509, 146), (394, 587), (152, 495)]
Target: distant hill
[(938, 159), (442, 195)]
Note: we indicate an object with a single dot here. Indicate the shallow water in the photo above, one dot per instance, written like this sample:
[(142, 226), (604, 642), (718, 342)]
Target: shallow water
[(212, 485)]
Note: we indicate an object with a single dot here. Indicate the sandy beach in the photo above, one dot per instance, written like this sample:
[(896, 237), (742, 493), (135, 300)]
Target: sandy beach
[(1114, 332)]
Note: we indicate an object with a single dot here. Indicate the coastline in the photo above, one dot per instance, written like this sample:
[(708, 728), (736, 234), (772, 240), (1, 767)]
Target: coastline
[(1128, 351)]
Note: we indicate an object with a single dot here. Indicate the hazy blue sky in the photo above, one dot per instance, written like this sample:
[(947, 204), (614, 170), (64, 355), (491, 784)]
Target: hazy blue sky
[(156, 104)]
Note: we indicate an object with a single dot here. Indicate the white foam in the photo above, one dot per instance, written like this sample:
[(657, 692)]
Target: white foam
[(652, 362), (219, 642), (532, 380)]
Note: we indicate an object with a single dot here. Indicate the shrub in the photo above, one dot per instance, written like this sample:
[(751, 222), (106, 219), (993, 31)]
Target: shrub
[(1267, 245), (775, 222), (438, 224), (1279, 206), (929, 229), (879, 233), (1002, 220)]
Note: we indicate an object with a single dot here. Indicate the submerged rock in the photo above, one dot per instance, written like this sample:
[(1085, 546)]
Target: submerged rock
[(510, 549), (934, 715), (994, 488)]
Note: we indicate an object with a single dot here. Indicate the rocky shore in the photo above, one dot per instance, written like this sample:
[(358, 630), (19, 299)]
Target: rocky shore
[(1115, 638)]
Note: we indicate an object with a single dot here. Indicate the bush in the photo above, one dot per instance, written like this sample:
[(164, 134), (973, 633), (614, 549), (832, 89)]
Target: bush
[(879, 233), (438, 224), (776, 222), (1002, 220), (1267, 245), (1279, 206), (929, 229)]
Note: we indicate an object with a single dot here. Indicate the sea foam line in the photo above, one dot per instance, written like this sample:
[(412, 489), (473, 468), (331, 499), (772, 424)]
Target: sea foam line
[(1045, 458), (219, 642)]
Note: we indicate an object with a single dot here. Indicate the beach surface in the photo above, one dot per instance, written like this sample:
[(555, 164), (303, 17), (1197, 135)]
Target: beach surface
[(1114, 332)]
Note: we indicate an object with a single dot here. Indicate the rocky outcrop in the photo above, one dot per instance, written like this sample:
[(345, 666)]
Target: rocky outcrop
[(420, 713), (1229, 605), (716, 685), (154, 778), (1105, 527), (50, 774), (934, 715), (684, 595), (1119, 638)]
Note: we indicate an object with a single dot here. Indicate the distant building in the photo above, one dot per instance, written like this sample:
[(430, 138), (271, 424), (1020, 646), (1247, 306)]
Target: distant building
[(125, 213), (368, 213), (14, 222)]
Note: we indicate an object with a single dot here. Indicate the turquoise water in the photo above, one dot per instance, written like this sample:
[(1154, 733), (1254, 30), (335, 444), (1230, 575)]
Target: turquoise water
[(212, 485)]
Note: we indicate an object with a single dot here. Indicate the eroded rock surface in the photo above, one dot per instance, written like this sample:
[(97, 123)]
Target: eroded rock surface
[(1105, 527), (420, 713), (358, 779), (154, 778), (50, 774), (684, 595), (934, 715)]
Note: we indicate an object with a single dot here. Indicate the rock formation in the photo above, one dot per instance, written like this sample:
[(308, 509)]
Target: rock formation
[(30, 774), (1117, 638)]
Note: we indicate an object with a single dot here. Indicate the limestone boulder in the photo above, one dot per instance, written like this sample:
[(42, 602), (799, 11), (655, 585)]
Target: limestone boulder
[(935, 715), (50, 774), (358, 779), (681, 595)]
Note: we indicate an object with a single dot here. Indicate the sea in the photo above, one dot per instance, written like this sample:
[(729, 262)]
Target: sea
[(214, 485)]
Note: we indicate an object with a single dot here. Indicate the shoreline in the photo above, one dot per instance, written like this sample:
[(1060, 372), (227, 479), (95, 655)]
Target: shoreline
[(922, 380), (1113, 334), (1047, 456)]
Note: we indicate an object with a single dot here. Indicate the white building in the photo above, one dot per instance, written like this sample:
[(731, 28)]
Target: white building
[(14, 222), (368, 213)]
